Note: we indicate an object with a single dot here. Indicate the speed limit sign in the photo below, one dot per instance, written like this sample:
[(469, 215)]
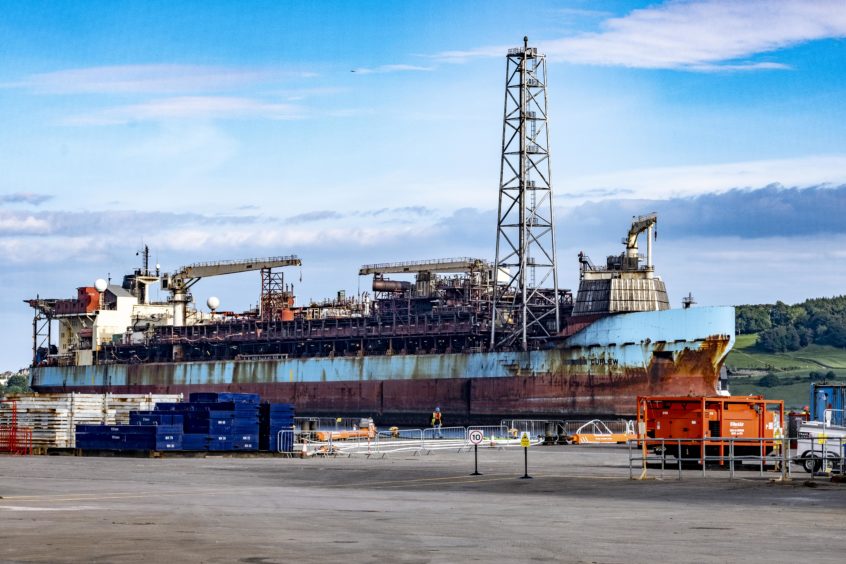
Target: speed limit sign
[(476, 437)]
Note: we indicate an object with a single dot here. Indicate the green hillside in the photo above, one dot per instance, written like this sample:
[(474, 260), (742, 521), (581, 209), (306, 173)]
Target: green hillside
[(793, 394), (746, 355), (748, 363)]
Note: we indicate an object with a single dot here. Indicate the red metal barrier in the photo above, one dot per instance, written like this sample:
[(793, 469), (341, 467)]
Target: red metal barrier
[(13, 439)]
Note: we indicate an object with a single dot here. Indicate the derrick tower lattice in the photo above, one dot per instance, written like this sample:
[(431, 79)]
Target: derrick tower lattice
[(273, 296), (524, 305)]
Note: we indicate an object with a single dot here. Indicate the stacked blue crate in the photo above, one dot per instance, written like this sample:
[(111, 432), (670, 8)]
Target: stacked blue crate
[(232, 425), (195, 441), (209, 421), (276, 417), (129, 437), (218, 421), (215, 397), (155, 418)]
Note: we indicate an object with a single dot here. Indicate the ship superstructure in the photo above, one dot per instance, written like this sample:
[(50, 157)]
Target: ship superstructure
[(445, 308)]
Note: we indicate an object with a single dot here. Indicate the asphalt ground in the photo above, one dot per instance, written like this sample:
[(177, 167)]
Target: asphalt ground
[(580, 506)]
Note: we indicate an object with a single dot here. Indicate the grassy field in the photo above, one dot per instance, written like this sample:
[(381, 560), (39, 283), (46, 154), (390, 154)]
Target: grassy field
[(792, 369), (747, 356), (794, 394)]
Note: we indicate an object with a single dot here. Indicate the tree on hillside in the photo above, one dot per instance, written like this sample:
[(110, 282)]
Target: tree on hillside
[(780, 314), (17, 384), (780, 339), (835, 334), (769, 381), (783, 327), (753, 319)]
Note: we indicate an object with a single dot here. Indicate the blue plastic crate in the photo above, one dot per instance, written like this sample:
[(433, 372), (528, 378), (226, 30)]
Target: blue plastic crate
[(220, 442), (129, 429), (155, 418), (223, 396), (225, 406), (167, 442), (245, 445), (124, 442), (101, 441), (193, 441)]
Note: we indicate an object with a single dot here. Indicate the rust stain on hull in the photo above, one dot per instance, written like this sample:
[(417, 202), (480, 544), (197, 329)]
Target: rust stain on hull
[(605, 391)]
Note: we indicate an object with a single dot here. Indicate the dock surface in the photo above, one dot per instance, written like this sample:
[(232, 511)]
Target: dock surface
[(580, 506)]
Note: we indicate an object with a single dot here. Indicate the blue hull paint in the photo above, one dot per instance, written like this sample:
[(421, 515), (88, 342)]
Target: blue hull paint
[(601, 368)]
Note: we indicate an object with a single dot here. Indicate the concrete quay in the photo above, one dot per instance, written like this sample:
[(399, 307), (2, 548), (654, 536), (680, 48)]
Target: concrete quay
[(580, 506)]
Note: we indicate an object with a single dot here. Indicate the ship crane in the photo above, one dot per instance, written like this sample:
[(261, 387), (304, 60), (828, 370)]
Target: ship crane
[(183, 279), (424, 269), (640, 224), (463, 264)]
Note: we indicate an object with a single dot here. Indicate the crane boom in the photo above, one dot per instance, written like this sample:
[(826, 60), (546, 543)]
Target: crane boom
[(462, 264), (639, 225), (181, 281), (217, 268)]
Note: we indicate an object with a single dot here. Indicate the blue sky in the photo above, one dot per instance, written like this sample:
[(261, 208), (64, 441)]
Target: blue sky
[(215, 130)]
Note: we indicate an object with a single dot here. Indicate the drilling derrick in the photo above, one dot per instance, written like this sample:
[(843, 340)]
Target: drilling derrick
[(525, 307), (274, 297)]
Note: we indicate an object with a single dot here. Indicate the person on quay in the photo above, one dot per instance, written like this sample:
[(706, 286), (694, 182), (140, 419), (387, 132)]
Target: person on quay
[(437, 421)]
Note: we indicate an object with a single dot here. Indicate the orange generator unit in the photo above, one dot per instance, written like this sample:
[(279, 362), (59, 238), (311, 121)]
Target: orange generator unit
[(700, 426)]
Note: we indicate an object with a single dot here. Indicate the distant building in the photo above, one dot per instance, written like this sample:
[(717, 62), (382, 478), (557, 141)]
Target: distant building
[(4, 376)]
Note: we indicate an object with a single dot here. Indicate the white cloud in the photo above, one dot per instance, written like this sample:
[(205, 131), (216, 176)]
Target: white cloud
[(146, 79), (666, 182), (189, 107), (231, 238), (463, 56), (390, 68), (23, 224), (67, 237), (709, 35), (729, 270), (581, 13), (57, 250)]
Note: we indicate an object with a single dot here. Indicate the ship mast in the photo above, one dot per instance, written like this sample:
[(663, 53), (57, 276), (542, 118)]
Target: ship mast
[(524, 306)]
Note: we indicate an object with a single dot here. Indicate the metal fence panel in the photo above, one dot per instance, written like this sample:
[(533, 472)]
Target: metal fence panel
[(453, 433), (759, 452), (614, 425)]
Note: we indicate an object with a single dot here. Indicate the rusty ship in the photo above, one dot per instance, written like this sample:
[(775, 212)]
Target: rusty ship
[(394, 355), (482, 339)]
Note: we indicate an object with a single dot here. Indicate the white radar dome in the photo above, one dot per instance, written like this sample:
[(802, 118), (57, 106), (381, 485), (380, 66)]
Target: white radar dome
[(213, 303), (100, 285)]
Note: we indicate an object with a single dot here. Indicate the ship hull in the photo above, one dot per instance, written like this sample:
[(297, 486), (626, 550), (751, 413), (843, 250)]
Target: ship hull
[(599, 370)]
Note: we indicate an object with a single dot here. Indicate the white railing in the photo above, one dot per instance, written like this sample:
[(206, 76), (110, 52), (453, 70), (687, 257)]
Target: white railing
[(614, 425), (404, 441), (285, 441)]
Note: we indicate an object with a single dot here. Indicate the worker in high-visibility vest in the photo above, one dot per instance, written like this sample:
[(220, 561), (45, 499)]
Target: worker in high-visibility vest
[(437, 421), (778, 440)]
